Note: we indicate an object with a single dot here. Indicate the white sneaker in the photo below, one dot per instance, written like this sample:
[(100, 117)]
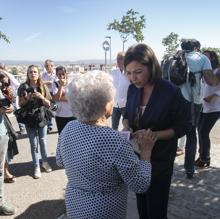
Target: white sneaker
[(37, 173), (46, 167)]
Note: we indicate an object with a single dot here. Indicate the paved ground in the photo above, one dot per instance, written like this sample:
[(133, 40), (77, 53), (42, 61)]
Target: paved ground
[(43, 198)]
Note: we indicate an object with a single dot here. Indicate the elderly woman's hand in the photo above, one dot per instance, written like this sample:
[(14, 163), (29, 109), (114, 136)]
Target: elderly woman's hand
[(146, 140)]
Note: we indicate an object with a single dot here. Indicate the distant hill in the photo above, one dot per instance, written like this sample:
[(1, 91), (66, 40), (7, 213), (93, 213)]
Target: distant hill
[(85, 62)]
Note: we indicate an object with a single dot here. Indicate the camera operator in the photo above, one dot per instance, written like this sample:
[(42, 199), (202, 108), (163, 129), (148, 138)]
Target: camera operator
[(7, 92), (7, 104), (14, 84), (4, 208), (33, 97)]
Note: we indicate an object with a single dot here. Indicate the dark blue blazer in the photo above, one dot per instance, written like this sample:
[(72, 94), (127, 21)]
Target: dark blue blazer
[(166, 109)]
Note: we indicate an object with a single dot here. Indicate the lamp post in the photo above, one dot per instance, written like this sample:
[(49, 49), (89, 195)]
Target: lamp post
[(110, 51)]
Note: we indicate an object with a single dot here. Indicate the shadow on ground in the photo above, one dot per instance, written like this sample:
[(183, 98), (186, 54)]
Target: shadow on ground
[(48, 209), (195, 198), (26, 168)]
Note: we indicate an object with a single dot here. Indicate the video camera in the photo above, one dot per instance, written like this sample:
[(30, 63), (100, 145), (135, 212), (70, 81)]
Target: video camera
[(4, 81), (4, 102), (3, 85), (25, 89)]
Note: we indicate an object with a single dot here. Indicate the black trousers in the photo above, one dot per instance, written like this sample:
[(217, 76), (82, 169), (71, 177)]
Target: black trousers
[(153, 203), (206, 123), (62, 121), (191, 139)]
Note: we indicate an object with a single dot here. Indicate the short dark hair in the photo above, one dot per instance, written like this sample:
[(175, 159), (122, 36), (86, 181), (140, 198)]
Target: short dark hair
[(60, 68), (190, 44), (143, 54)]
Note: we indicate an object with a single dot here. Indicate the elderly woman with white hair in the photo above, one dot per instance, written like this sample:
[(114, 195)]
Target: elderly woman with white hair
[(100, 163)]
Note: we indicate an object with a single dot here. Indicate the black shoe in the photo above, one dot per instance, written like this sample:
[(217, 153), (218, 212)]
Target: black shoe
[(202, 164), (197, 161), (189, 175)]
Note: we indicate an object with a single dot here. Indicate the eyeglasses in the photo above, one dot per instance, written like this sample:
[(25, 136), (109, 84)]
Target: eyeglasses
[(32, 71)]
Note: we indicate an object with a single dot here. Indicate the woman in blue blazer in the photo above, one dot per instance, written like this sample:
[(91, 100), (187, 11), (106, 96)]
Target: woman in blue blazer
[(156, 104)]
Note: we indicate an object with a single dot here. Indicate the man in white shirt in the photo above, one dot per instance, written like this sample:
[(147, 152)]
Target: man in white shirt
[(121, 83), (48, 77)]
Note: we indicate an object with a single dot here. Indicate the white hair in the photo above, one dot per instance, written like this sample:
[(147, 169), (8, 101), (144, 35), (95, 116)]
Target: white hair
[(89, 93)]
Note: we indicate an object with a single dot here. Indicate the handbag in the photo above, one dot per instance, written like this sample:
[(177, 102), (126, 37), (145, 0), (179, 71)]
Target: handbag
[(34, 117), (9, 127), (21, 115), (13, 136)]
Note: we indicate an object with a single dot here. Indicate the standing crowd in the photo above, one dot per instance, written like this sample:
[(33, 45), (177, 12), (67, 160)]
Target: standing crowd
[(102, 164)]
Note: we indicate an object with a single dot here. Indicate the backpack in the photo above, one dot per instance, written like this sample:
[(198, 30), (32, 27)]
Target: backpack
[(174, 68)]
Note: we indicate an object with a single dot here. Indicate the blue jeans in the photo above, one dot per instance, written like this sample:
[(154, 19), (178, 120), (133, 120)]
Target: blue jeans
[(3, 150), (191, 140), (50, 124), (116, 115), (37, 136), (206, 122)]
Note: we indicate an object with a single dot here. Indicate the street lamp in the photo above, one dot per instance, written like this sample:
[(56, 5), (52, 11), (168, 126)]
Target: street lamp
[(106, 47), (110, 51)]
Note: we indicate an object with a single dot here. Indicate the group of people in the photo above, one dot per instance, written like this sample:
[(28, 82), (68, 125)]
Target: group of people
[(100, 162), (35, 97), (206, 103)]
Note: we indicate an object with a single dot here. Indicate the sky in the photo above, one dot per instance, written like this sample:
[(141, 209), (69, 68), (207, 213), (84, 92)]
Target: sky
[(71, 30)]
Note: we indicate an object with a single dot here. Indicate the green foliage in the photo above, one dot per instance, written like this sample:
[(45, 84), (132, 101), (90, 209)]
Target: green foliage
[(130, 24), (217, 50), (171, 42), (3, 36)]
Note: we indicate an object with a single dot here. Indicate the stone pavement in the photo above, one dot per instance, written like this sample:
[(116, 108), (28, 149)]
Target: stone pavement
[(198, 198)]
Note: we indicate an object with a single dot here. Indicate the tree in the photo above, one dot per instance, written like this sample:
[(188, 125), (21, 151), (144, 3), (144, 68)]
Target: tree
[(130, 24), (171, 42), (217, 50), (3, 36)]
